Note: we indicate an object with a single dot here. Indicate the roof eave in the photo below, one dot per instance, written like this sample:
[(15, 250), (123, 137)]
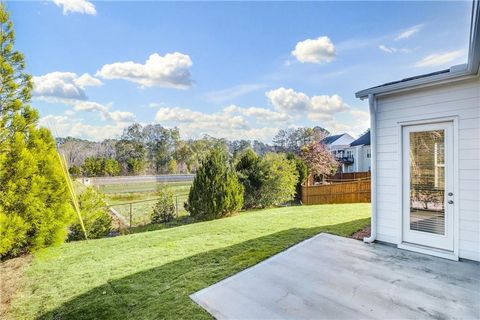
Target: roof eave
[(396, 87)]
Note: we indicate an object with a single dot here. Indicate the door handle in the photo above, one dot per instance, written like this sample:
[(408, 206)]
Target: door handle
[(450, 201), (450, 194)]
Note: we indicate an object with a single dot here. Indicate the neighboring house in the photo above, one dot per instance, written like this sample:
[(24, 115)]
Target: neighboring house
[(338, 144), (360, 152), (353, 155), (425, 140)]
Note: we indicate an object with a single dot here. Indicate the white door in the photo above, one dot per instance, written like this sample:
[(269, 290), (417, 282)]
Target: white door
[(428, 195)]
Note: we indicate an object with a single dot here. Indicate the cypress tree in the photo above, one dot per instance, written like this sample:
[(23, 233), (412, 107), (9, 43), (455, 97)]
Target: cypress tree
[(216, 191), (251, 176), (34, 203)]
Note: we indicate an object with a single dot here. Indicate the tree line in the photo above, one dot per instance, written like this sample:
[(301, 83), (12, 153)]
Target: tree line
[(154, 149)]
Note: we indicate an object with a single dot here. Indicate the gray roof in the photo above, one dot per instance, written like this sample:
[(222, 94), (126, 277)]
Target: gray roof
[(364, 140), (412, 78), (332, 139)]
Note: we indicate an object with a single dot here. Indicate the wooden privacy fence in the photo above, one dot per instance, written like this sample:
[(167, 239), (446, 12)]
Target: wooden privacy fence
[(344, 192), (349, 175), (342, 177)]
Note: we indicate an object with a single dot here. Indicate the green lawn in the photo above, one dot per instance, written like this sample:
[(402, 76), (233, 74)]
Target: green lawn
[(150, 275)]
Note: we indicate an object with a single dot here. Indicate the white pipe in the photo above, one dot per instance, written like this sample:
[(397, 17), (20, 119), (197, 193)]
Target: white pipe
[(373, 167)]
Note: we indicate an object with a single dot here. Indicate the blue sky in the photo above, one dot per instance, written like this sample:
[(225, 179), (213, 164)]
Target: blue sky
[(228, 69)]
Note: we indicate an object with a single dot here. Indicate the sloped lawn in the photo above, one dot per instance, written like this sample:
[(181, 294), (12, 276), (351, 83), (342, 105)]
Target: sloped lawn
[(150, 275)]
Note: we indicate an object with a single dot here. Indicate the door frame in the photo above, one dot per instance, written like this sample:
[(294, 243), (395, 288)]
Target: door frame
[(453, 255)]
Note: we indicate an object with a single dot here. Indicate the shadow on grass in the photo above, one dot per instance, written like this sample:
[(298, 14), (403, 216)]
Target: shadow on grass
[(187, 219), (163, 292)]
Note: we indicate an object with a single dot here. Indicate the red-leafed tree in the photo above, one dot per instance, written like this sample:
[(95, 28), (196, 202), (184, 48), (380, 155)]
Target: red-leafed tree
[(319, 160)]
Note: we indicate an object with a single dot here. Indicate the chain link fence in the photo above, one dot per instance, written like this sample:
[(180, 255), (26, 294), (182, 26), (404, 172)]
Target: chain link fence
[(138, 213)]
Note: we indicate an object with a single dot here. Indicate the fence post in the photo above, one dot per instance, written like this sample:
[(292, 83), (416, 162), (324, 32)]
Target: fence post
[(176, 206), (130, 215)]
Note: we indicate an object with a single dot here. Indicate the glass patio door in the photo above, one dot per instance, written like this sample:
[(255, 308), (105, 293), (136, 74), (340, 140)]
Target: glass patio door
[(428, 197)]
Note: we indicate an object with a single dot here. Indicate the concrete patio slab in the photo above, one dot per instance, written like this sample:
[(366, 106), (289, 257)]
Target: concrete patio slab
[(330, 277)]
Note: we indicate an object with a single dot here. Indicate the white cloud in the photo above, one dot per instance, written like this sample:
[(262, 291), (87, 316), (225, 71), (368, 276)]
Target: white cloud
[(171, 71), (409, 32), (91, 106), (67, 126), (288, 99), (69, 89), (232, 122), (87, 106), (155, 105), (260, 114), (121, 116), (384, 48), (76, 6), (229, 94), (319, 109), (361, 116), (439, 59), (328, 104), (64, 85), (86, 80), (316, 107), (320, 50), (360, 123), (201, 120), (104, 110)]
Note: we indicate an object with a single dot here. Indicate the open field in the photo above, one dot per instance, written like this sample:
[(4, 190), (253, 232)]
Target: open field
[(150, 275), (126, 198), (142, 187), (160, 178)]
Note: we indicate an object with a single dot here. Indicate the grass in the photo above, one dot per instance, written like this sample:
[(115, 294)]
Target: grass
[(151, 275), (117, 195)]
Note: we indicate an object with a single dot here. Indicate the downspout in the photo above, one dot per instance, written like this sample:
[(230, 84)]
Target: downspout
[(373, 167)]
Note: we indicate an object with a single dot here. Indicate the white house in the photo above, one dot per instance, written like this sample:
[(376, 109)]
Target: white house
[(338, 144), (353, 155), (425, 141), (359, 151)]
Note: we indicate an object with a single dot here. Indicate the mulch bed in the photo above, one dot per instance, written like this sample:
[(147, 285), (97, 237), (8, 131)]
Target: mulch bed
[(359, 235)]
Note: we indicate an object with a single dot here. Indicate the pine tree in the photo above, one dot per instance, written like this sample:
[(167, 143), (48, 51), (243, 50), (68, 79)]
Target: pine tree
[(251, 176), (34, 203), (216, 191), (96, 219)]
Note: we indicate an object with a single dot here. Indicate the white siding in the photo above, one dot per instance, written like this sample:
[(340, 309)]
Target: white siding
[(343, 141), (460, 99), (361, 161), (365, 156)]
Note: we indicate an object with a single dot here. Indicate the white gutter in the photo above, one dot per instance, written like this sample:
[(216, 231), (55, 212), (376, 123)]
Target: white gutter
[(454, 74), (373, 167), (474, 49)]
